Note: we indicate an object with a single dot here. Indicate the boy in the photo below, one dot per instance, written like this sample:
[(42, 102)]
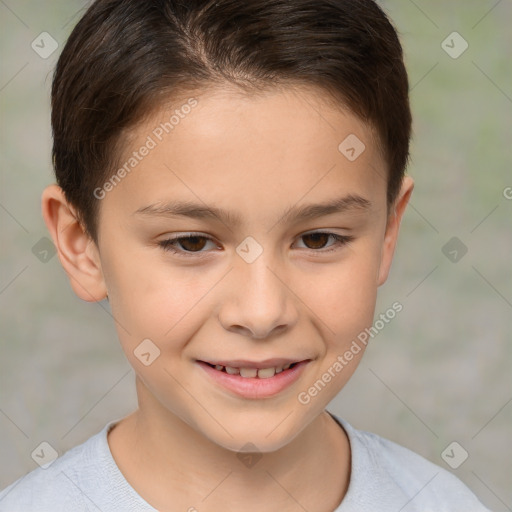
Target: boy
[(231, 175)]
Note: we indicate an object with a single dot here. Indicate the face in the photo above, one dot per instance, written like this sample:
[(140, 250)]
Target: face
[(206, 256)]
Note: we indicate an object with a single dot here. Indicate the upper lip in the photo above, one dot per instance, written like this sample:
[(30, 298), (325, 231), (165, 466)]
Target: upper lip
[(244, 363)]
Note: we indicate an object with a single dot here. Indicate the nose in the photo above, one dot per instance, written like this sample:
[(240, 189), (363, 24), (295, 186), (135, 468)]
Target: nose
[(259, 301)]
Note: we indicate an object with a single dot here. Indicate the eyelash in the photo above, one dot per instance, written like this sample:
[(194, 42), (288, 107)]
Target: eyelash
[(168, 244)]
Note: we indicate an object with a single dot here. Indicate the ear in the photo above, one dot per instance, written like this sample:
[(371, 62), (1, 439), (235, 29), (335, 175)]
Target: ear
[(77, 252), (392, 228)]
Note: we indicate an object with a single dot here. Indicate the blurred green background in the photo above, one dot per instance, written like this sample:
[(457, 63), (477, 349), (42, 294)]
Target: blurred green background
[(440, 372)]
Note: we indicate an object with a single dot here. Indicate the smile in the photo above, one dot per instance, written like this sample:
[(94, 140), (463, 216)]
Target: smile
[(261, 373), (254, 383)]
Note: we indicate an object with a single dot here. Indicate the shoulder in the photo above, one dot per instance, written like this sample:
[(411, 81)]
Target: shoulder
[(385, 472), (84, 479), (53, 487)]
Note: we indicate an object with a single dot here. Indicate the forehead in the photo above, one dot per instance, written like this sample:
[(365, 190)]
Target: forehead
[(250, 152)]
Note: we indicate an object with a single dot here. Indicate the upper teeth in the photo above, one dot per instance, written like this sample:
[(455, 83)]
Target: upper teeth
[(262, 373)]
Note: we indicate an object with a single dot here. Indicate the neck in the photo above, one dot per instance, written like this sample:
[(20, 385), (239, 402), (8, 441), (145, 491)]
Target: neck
[(167, 461)]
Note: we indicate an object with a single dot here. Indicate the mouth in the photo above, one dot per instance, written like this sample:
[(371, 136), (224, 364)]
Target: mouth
[(254, 380), (262, 370)]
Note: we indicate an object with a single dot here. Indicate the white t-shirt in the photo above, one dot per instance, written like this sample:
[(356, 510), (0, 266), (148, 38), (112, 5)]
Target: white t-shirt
[(384, 477)]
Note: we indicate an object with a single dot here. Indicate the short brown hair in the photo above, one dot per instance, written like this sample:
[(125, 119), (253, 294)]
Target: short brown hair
[(125, 56)]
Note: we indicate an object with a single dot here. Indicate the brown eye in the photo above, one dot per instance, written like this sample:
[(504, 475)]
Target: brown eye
[(192, 243), (316, 240), (186, 245)]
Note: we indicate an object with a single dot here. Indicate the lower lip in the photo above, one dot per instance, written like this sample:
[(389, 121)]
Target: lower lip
[(254, 387)]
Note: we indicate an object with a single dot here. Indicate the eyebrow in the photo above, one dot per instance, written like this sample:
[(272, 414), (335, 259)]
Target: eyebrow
[(348, 203)]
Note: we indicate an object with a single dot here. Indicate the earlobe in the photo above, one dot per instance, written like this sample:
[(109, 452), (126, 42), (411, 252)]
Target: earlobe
[(77, 253), (393, 227)]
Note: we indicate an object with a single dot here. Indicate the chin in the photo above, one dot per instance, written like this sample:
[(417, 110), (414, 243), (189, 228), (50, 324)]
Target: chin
[(269, 434), (253, 443)]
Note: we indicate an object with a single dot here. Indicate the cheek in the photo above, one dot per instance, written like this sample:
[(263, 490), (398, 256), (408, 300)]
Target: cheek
[(346, 299), (346, 306), (152, 298)]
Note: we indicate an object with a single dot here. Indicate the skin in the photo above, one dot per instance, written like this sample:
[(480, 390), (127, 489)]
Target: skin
[(255, 156)]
